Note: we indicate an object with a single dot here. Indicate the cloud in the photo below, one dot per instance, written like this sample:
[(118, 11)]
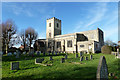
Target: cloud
[(18, 9), (95, 15)]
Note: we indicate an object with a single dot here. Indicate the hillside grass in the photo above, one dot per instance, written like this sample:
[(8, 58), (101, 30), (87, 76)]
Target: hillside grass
[(68, 70)]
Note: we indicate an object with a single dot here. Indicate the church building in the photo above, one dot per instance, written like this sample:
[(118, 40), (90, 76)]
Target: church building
[(88, 41)]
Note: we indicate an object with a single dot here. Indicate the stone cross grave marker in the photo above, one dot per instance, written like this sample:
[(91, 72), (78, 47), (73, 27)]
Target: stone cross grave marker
[(76, 56), (91, 56), (86, 58), (62, 60), (14, 65), (102, 69), (39, 60), (51, 58), (65, 56), (81, 58)]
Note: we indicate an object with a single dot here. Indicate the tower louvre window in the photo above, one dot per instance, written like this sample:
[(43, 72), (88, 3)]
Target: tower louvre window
[(49, 24), (49, 34), (57, 25)]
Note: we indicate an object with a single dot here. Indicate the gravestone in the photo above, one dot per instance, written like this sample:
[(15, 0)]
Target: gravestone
[(15, 53), (24, 52), (14, 65), (81, 58), (102, 69), (65, 56), (56, 53), (39, 60), (51, 58), (9, 54), (80, 54), (76, 55), (86, 58), (91, 56), (62, 60), (38, 53), (43, 53)]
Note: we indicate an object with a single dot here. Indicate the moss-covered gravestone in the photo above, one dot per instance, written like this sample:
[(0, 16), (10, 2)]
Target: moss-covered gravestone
[(14, 65), (102, 70)]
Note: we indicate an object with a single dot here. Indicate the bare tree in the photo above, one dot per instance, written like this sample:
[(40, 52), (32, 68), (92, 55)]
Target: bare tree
[(31, 35), (8, 30), (110, 43), (23, 38)]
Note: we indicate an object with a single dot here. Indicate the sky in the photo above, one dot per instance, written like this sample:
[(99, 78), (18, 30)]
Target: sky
[(75, 16)]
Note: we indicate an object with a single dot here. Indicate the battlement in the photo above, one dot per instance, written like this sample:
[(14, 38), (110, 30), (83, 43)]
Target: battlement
[(54, 19)]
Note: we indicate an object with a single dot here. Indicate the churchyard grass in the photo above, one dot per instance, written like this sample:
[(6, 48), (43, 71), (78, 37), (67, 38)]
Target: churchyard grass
[(68, 70)]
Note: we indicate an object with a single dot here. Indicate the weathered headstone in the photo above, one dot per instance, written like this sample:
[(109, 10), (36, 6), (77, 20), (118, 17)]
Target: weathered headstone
[(43, 53), (24, 52), (9, 54), (14, 65), (38, 53), (76, 56), (51, 58), (15, 53), (39, 60), (81, 58), (80, 54), (86, 58), (102, 69), (55, 53), (62, 60), (65, 56), (91, 56)]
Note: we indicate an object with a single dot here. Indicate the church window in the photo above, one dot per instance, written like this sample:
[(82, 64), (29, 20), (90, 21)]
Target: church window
[(49, 44), (49, 34), (49, 24), (58, 44), (81, 45), (69, 43), (57, 25)]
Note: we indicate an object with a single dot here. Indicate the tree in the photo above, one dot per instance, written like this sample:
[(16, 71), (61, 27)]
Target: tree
[(8, 30), (31, 35), (110, 43), (23, 38)]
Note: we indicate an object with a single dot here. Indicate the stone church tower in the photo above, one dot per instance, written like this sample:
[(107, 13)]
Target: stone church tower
[(53, 27)]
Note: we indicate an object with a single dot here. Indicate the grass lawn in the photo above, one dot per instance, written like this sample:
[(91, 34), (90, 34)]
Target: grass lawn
[(68, 70)]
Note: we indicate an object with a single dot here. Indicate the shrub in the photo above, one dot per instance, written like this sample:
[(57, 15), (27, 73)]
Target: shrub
[(106, 49)]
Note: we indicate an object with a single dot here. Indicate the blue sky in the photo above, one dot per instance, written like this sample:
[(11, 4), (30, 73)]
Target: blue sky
[(75, 16)]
